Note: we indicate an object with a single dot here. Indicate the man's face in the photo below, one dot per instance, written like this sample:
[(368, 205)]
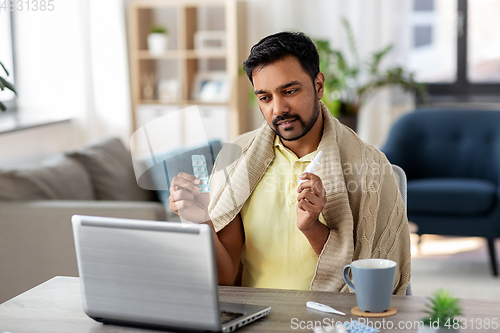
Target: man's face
[(287, 97)]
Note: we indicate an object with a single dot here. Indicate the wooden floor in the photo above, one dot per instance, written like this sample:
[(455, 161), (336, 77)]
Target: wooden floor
[(460, 265)]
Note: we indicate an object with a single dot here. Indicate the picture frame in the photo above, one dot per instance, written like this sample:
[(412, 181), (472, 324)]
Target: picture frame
[(168, 90), (210, 40), (211, 86)]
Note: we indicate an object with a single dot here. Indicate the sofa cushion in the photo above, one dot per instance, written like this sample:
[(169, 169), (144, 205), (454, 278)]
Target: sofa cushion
[(110, 167), (451, 196), (57, 178)]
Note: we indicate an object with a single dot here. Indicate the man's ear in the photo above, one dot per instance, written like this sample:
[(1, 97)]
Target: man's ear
[(319, 84)]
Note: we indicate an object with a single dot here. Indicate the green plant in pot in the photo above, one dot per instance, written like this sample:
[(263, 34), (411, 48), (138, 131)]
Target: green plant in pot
[(157, 39), (4, 84), (158, 29), (442, 311), (349, 86)]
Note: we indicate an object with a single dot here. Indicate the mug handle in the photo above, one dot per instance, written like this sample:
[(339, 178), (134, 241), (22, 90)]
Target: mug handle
[(347, 279)]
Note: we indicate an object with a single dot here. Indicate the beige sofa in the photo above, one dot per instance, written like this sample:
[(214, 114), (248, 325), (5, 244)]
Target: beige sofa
[(37, 202)]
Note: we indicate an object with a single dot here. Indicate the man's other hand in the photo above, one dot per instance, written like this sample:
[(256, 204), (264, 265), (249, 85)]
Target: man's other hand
[(185, 200), (310, 202)]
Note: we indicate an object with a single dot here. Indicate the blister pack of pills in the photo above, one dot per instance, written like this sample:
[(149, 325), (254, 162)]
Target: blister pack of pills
[(200, 171), (357, 327)]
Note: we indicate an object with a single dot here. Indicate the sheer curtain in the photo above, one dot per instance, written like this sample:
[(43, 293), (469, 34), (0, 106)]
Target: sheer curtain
[(108, 79), (376, 25)]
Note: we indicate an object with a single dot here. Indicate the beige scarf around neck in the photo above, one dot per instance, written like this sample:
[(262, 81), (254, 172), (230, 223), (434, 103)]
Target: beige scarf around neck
[(364, 210)]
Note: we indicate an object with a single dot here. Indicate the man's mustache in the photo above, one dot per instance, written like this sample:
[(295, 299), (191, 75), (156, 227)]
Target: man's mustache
[(281, 119)]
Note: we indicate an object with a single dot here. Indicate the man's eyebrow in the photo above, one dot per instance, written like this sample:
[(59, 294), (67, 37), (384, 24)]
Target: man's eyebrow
[(286, 85), (293, 83)]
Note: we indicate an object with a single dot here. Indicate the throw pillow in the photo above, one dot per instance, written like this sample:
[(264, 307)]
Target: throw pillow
[(57, 178), (109, 164)]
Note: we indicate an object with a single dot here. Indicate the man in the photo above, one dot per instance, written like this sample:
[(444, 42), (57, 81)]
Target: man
[(290, 235)]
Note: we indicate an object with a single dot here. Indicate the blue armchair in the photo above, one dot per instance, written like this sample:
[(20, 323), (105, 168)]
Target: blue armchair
[(452, 162)]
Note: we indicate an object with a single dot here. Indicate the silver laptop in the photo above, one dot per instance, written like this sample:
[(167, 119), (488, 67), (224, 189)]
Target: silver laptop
[(153, 274)]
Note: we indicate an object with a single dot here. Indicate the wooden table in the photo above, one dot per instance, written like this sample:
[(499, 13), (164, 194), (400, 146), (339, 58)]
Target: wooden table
[(56, 306)]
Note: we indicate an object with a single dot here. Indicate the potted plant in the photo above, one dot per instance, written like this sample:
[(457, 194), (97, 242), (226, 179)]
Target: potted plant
[(349, 86), (4, 84), (442, 311), (157, 39)]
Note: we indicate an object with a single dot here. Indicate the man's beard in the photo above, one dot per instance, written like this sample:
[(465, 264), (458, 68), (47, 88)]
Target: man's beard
[(305, 126)]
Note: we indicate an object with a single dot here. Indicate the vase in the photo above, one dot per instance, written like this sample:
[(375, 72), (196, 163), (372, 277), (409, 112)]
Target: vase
[(157, 43)]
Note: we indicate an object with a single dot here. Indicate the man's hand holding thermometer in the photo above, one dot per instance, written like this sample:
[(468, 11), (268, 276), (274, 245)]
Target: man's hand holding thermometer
[(311, 199)]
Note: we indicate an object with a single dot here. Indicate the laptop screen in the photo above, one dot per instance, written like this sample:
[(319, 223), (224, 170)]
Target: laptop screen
[(160, 273)]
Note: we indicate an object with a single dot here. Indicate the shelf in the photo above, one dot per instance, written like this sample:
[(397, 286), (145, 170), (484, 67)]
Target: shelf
[(182, 54), (26, 119), (216, 54), (182, 62), (177, 3), (166, 55)]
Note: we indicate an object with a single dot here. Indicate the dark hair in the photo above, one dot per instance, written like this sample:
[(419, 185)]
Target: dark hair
[(280, 45)]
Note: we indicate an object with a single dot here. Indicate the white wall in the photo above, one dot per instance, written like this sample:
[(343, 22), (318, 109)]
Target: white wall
[(110, 71), (35, 144), (50, 79), (70, 61)]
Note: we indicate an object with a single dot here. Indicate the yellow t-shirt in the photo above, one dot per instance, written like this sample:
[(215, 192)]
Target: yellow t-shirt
[(276, 253)]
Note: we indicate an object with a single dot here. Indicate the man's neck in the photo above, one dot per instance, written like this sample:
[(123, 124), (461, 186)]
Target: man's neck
[(309, 142)]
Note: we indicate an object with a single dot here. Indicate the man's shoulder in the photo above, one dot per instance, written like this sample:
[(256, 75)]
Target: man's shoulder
[(230, 152), (245, 139), (354, 150)]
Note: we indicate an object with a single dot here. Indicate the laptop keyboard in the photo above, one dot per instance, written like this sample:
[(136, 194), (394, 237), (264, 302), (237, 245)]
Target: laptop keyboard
[(226, 316)]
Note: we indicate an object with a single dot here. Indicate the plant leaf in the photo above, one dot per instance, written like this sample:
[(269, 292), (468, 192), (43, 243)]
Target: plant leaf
[(377, 58), (8, 85), (5, 69), (348, 85), (351, 39), (341, 63), (2, 107)]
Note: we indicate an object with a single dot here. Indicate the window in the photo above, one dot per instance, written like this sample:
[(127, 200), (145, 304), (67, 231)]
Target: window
[(483, 37), (455, 46), (423, 35), (434, 49), (7, 57)]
